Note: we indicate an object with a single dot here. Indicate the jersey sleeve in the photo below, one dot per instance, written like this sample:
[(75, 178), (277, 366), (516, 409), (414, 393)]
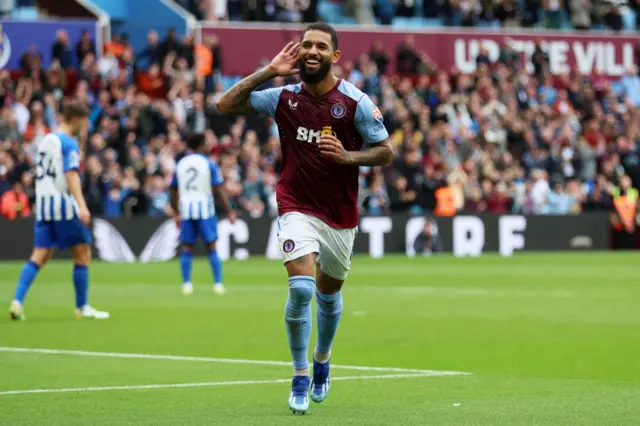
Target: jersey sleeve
[(266, 101), (368, 121), (70, 154), (174, 179), (216, 174)]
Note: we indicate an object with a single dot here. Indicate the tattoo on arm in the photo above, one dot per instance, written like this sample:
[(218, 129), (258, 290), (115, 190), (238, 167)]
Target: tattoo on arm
[(379, 155), (236, 99)]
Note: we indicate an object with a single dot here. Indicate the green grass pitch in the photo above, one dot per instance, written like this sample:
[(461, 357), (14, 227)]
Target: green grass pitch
[(549, 339)]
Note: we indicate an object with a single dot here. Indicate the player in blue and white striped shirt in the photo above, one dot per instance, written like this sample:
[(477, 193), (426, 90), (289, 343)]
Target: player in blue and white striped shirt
[(194, 183), (62, 215)]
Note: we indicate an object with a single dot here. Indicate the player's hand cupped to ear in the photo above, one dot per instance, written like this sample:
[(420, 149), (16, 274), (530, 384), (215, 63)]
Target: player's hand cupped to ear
[(332, 148), (284, 64)]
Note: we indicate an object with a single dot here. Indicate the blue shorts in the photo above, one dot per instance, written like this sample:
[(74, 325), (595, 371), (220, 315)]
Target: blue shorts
[(62, 234), (190, 229)]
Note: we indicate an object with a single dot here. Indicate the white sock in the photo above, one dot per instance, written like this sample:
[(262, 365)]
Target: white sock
[(303, 372)]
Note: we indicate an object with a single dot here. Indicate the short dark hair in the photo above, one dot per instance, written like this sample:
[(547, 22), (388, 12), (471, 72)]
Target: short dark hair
[(75, 109), (195, 141), (325, 28)]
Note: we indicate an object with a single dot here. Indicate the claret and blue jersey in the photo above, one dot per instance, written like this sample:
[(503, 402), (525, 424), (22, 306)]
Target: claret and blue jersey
[(309, 182)]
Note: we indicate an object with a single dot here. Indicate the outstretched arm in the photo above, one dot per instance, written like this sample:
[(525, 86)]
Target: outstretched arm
[(236, 100)]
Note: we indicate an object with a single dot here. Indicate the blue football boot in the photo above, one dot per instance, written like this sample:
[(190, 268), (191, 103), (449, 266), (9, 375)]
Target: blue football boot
[(299, 398), (321, 381)]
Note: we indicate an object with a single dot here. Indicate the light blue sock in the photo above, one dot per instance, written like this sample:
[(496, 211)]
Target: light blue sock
[(81, 283), (28, 274), (186, 261), (329, 312), (216, 266), (298, 319)]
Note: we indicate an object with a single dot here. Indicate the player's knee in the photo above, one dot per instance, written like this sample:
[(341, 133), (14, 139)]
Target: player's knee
[(41, 256), (211, 246), (330, 287), (326, 281), (302, 266), (82, 254), (301, 289), (187, 248)]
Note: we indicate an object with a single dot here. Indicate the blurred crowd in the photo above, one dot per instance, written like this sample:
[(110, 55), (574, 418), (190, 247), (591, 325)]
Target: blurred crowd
[(553, 14), (499, 140)]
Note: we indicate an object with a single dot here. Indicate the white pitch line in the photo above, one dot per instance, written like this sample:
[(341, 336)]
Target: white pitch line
[(209, 384), (217, 360)]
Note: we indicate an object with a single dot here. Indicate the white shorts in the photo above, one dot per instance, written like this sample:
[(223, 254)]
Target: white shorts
[(300, 234)]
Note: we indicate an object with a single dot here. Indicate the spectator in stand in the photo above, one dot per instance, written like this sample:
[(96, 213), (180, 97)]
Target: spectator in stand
[(15, 203), (150, 54), (624, 219), (553, 13), (177, 68), (94, 185), (408, 60), (158, 198), (428, 242), (114, 198), (486, 141), (199, 8), (197, 117), (540, 60), (37, 128), (581, 14), (204, 61), (21, 111), (629, 155), (377, 199), (600, 198), (470, 11), (85, 46), (611, 13), (483, 57), (631, 85), (540, 192), (506, 12), (559, 202), (385, 10), (61, 50), (214, 44), (451, 13), (379, 56), (401, 198), (170, 45)]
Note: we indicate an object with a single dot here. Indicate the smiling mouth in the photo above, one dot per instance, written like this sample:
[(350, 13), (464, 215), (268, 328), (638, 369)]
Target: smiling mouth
[(312, 63)]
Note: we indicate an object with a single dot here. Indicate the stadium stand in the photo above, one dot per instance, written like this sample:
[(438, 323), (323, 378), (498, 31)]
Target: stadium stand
[(551, 14), (497, 140)]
